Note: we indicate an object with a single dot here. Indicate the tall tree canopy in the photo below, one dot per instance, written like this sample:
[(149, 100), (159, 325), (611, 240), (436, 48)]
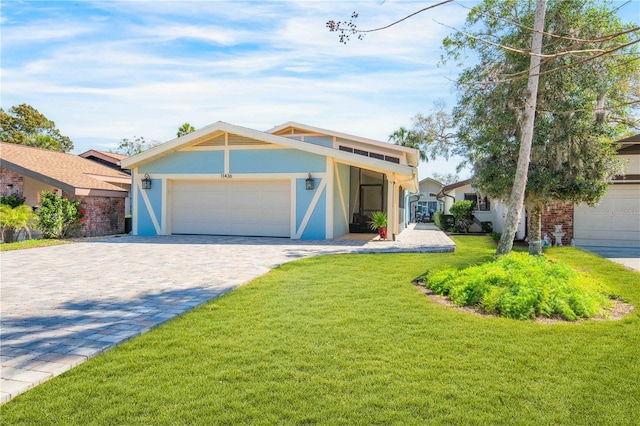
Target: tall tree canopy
[(24, 125), (582, 105)]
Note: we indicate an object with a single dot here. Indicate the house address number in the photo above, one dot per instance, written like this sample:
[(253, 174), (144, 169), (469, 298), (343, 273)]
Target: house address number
[(226, 175)]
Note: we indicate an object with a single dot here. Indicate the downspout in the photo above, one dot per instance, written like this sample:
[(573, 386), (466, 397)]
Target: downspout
[(444, 194)]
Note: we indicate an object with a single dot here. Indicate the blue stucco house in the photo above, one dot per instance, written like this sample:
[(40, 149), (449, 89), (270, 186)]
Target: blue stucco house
[(294, 181)]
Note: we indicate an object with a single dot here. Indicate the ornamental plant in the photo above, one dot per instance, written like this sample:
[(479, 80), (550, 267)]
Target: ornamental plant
[(12, 200), (462, 211), (521, 286), (16, 219), (59, 217)]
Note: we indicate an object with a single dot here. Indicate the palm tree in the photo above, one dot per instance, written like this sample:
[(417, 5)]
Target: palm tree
[(16, 219), (410, 139), (185, 129)]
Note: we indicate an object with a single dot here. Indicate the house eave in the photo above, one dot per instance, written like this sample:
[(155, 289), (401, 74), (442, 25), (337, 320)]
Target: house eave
[(199, 135), (410, 152)]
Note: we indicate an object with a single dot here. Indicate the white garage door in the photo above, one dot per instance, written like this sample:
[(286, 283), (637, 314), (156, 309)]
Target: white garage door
[(250, 208), (614, 222)]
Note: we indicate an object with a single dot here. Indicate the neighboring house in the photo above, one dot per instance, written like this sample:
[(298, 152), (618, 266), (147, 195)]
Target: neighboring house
[(486, 210), (613, 222), (102, 191), (426, 201), (294, 181), (109, 159)]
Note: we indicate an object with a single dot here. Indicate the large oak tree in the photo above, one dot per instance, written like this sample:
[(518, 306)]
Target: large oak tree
[(584, 101), (25, 125)]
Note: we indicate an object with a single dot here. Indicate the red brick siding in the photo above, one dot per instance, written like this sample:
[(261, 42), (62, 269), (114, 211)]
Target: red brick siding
[(7, 177), (102, 215), (558, 213)]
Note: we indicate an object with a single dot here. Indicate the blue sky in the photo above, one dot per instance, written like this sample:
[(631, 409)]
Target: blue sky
[(104, 71)]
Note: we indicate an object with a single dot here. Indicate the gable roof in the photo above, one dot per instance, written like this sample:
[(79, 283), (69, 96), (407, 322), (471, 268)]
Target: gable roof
[(220, 127), (628, 145), (112, 157), (456, 185), (109, 159), (71, 173), (432, 180), (413, 157)]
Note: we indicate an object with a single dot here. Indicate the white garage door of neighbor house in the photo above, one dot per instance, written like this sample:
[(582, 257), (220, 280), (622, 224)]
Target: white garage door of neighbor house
[(614, 222), (249, 208)]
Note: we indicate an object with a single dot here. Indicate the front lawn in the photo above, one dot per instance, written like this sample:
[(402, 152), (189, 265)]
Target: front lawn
[(347, 339), (19, 245)]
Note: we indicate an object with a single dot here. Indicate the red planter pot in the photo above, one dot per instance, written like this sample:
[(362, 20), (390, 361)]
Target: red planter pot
[(382, 232)]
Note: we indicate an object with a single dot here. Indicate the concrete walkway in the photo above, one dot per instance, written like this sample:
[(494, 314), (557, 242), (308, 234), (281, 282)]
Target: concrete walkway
[(626, 256), (65, 304)]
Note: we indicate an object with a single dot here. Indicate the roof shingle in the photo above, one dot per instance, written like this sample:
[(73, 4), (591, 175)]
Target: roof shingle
[(68, 170)]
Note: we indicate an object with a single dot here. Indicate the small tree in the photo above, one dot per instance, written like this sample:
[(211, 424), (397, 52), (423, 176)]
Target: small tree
[(135, 146), (59, 217), (16, 219), (462, 212)]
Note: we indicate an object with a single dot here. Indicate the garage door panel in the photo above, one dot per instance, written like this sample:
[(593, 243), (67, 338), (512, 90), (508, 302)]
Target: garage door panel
[(256, 208), (615, 221)]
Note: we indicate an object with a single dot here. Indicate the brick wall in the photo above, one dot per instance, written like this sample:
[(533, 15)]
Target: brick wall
[(102, 215), (558, 213), (7, 177)]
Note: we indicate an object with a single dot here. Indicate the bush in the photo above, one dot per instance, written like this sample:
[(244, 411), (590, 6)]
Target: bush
[(12, 200), (443, 221), (59, 217), (462, 212), (495, 236), (521, 286), (487, 226)]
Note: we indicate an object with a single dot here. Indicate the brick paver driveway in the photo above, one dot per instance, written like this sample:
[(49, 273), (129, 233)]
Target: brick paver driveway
[(64, 304)]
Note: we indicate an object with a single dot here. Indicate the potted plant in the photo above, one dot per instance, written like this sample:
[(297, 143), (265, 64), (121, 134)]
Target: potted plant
[(379, 223), (14, 220)]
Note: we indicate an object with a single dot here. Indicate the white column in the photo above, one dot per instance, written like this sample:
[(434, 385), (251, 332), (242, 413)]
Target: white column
[(392, 226)]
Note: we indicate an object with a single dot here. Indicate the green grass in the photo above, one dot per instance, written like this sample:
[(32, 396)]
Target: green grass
[(347, 339), (20, 245)]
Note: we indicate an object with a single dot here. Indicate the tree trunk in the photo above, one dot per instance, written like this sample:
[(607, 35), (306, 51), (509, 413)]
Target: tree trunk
[(535, 226), (520, 182)]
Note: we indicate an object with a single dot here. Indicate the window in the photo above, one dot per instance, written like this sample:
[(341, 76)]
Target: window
[(480, 204)]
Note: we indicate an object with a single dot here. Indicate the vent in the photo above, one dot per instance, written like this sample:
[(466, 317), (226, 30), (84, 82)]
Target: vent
[(345, 148), (392, 159), (236, 140), (378, 156), (217, 141)]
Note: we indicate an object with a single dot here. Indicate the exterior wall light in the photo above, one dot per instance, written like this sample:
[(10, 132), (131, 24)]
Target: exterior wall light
[(146, 182), (310, 183)]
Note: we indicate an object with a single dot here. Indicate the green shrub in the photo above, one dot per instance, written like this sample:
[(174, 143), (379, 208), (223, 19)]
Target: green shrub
[(495, 236), (12, 200), (443, 221), (59, 217), (462, 211), (521, 286), (487, 226)]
